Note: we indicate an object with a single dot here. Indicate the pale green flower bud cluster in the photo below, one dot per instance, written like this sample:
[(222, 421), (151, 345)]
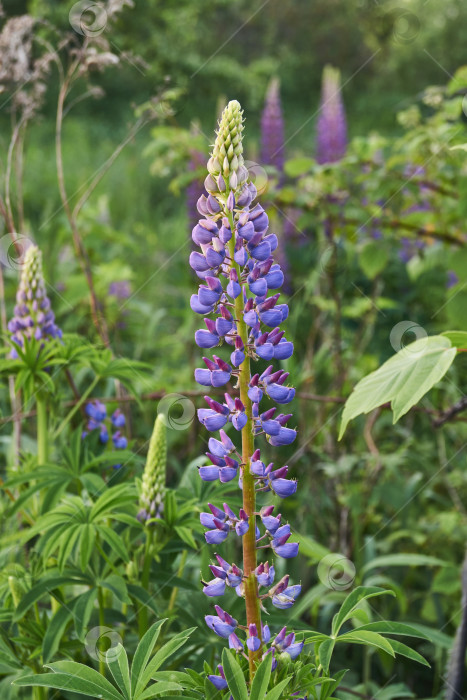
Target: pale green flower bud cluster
[(226, 168), (154, 476)]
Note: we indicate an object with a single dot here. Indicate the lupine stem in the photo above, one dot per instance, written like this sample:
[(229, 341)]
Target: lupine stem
[(181, 566), (253, 613), (42, 437), (143, 612), (101, 650)]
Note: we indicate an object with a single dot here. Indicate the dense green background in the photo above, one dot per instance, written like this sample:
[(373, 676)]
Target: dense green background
[(386, 490)]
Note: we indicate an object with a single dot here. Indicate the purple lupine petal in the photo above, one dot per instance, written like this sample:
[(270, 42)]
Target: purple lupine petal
[(294, 650), (209, 473), (217, 536), (214, 588), (289, 550), (218, 682), (286, 437), (283, 487)]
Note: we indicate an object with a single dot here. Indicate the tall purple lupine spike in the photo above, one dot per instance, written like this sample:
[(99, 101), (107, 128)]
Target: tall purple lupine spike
[(33, 317), (273, 153), (331, 129), (272, 128), (237, 272)]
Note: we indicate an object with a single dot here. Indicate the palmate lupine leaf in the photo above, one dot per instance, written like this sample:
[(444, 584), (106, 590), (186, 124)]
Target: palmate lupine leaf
[(141, 683), (74, 526), (372, 634)]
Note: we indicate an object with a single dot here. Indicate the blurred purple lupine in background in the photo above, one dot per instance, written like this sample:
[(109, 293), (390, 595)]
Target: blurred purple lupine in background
[(97, 415), (273, 153), (33, 317), (272, 129), (120, 289), (331, 129)]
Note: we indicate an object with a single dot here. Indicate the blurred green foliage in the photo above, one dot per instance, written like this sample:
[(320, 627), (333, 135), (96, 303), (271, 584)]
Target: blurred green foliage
[(386, 494)]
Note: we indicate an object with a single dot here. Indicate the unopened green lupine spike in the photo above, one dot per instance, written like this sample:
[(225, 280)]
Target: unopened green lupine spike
[(154, 476), (227, 154)]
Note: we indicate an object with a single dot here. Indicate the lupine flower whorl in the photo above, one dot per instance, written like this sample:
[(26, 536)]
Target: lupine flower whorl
[(33, 316), (331, 130), (154, 476), (272, 128), (238, 271)]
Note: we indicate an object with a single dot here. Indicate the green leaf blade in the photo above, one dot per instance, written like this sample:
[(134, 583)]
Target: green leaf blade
[(234, 676), (402, 380)]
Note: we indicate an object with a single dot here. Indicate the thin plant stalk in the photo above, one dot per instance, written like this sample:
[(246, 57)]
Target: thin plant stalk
[(143, 612), (42, 430)]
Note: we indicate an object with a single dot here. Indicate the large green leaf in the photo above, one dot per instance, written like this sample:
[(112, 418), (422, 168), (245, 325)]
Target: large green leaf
[(402, 380), (159, 690), (404, 650), (261, 679), (403, 560), (163, 654), (234, 676), (45, 586), (352, 602), (389, 627), (69, 675), (82, 611), (54, 632), (458, 338), (117, 661), (368, 638), (276, 692), (66, 681), (143, 654), (325, 653)]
